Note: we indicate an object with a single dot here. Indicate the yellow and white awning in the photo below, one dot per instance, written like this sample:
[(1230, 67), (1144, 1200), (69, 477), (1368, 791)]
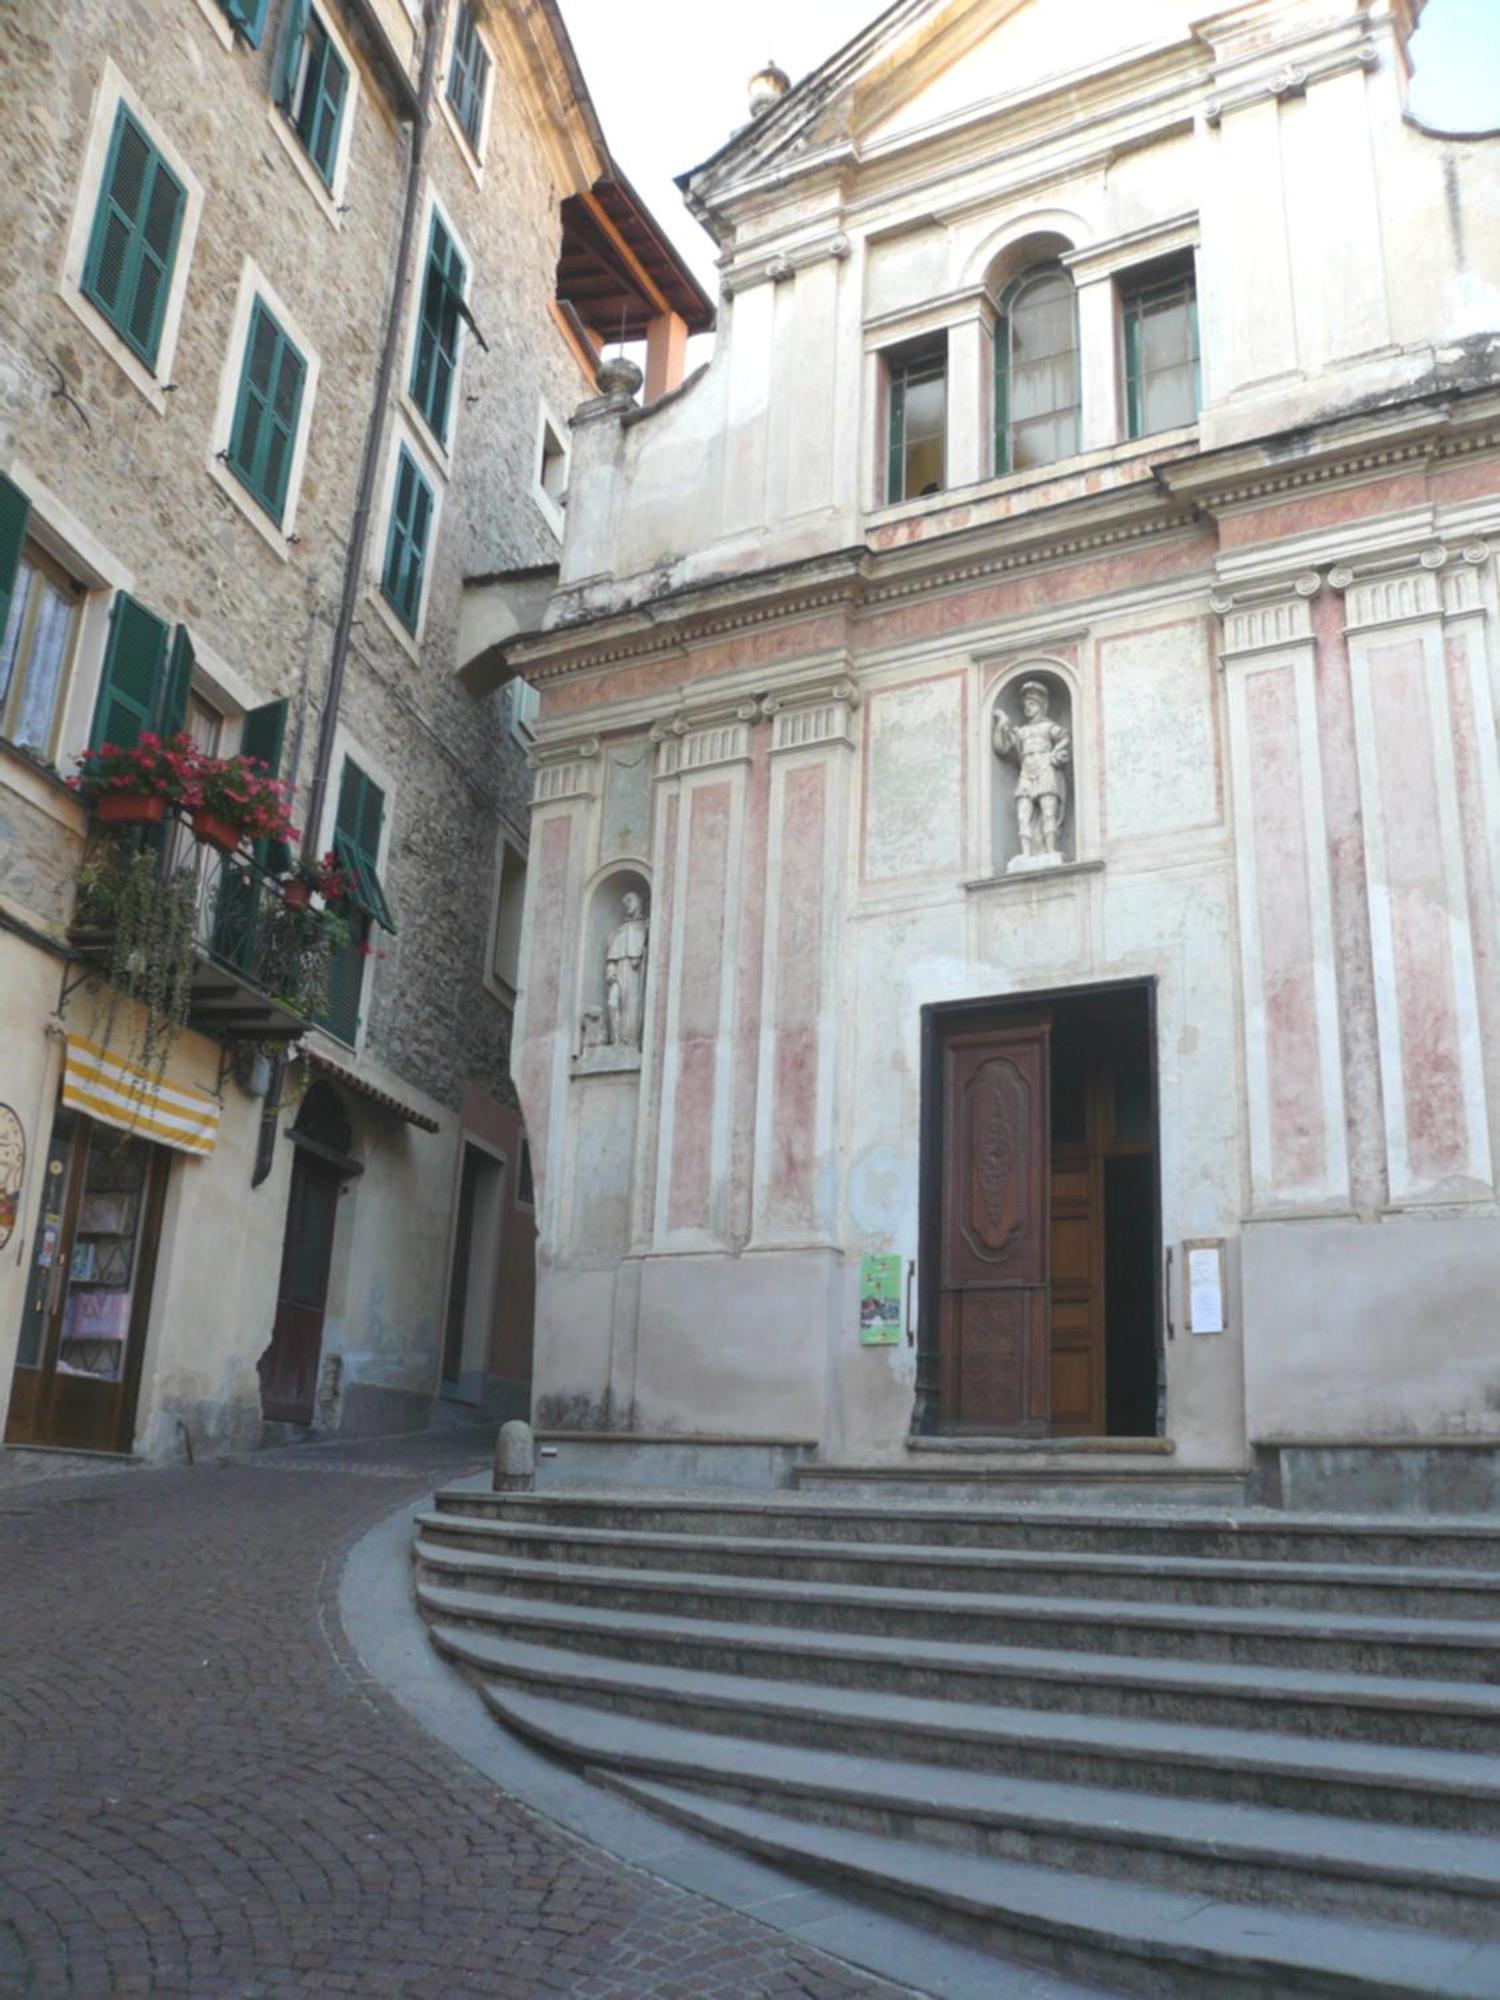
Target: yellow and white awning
[(118, 1092)]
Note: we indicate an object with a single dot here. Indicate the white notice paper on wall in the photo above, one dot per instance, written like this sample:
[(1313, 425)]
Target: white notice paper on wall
[(1205, 1276)]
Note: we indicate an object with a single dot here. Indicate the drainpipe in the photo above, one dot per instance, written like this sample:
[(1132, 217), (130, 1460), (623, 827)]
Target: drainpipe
[(359, 533)]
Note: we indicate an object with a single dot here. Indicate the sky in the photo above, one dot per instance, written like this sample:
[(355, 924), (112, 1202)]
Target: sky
[(668, 78)]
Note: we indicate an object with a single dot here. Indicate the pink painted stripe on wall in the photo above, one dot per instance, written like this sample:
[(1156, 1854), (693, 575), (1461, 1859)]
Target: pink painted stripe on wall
[(662, 940), (792, 1197), (691, 1199), (1299, 1140), (545, 980), (1431, 1076)]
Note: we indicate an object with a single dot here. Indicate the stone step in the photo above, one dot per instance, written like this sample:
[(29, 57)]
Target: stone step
[(1448, 1789), (1448, 1649), (1121, 1484), (1164, 1943), (1355, 1707), (1252, 1535), (1411, 1591), (1405, 1875)]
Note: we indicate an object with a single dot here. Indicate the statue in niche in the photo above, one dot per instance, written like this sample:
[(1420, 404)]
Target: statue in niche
[(1041, 748), (625, 976)]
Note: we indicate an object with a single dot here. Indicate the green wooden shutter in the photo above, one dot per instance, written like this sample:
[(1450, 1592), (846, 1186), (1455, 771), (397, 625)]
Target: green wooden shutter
[(406, 544), (264, 432), (172, 697), (468, 73), (128, 690), (15, 510), (356, 840), (264, 736), (128, 271), (328, 113), (437, 336), (248, 18), (289, 53)]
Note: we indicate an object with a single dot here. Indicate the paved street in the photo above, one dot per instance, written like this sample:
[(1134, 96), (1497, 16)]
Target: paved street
[(200, 1795)]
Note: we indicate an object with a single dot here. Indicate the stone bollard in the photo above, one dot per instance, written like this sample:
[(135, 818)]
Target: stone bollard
[(515, 1458)]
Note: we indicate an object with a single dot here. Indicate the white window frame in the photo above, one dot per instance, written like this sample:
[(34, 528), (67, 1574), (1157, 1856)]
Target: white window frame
[(552, 510), (438, 454), (522, 705), (55, 528), (473, 158), (346, 745), (505, 841), (328, 195), (403, 431), (255, 285), (111, 91), (218, 20)]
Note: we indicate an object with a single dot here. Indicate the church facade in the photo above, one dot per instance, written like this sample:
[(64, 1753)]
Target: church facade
[(1012, 918)]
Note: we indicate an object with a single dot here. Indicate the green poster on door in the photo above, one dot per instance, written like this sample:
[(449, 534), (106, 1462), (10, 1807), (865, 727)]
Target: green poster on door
[(880, 1300)]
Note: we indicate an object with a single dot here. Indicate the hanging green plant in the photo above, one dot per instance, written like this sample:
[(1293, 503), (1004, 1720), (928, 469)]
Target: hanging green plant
[(146, 922)]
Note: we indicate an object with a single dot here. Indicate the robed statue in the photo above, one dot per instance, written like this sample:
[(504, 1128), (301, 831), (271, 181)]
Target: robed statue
[(625, 976)]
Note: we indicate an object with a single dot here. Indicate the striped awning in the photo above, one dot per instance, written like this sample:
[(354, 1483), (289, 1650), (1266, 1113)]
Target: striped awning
[(120, 1093)]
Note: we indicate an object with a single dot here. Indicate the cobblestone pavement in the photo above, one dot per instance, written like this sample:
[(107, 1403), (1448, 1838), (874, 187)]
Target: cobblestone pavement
[(199, 1795)]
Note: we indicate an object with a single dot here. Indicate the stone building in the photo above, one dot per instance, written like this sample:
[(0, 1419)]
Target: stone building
[(286, 354), (1038, 686)]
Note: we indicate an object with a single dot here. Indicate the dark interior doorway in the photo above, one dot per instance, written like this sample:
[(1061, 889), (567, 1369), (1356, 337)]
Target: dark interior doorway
[(323, 1163), (1040, 1217)]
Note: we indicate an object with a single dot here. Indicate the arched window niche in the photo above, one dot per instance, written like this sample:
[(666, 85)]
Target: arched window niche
[(1033, 789), (1038, 380), (614, 964)]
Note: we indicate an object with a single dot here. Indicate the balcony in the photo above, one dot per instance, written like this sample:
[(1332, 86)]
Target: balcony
[(253, 968)]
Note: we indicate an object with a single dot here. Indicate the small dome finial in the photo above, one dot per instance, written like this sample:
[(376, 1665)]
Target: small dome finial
[(767, 88)]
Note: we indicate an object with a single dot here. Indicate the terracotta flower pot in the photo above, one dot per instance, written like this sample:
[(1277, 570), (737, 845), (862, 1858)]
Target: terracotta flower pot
[(216, 832), (296, 895), (130, 809)]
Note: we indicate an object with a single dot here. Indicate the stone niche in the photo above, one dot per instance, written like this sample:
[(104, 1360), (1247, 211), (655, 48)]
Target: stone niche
[(1042, 746), (605, 1037)]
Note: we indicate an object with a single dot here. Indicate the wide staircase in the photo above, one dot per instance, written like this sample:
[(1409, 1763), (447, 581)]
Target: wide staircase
[(1170, 1750)]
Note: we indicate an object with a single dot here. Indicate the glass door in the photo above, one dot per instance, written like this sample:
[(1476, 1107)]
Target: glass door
[(88, 1295)]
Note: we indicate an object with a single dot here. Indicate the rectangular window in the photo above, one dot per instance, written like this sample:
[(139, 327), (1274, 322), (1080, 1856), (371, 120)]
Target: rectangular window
[(438, 330), (128, 271), (406, 544), (510, 901), (247, 18), (522, 705), (36, 650), (1160, 313), (917, 388), (311, 83), (266, 410), (356, 843), (468, 74)]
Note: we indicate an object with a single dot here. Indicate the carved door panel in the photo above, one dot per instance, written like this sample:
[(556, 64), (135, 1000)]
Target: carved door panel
[(994, 1267)]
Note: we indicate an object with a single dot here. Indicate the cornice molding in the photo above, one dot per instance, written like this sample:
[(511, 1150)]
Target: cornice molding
[(1291, 79)]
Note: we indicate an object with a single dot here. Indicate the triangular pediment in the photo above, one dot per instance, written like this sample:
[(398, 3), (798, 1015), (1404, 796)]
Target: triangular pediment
[(924, 63), (1024, 45)]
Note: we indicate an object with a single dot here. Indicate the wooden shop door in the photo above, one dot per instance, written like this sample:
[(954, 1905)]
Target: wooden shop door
[(994, 1262), (88, 1292)]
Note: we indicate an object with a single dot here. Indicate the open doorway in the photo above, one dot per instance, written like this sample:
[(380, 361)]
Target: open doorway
[(474, 1273), (1040, 1217)]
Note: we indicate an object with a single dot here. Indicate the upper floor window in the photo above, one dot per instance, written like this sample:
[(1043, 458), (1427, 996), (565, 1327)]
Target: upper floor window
[(1036, 371), (128, 271), (406, 542), (510, 903), (357, 831), (40, 611), (312, 79), (264, 433), (917, 394), (468, 74), (1159, 312), (436, 357), (247, 18)]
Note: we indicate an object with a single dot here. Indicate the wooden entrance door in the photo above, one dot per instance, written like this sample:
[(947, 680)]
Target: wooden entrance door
[(995, 1231), (88, 1292), (289, 1367)]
